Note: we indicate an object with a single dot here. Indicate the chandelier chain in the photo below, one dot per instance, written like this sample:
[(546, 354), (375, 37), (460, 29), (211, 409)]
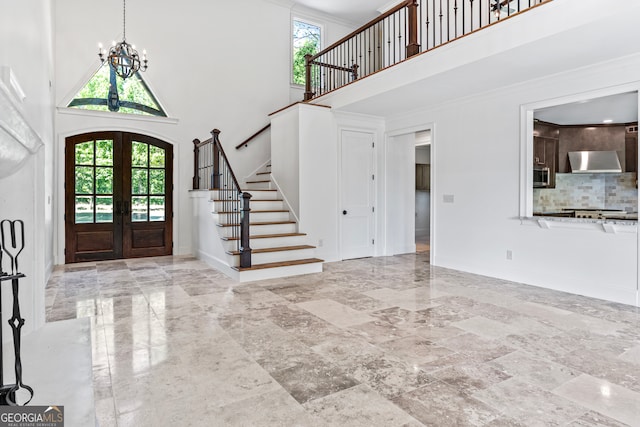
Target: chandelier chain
[(124, 20)]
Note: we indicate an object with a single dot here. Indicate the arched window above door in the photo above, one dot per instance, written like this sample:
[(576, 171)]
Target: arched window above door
[(106, 91)]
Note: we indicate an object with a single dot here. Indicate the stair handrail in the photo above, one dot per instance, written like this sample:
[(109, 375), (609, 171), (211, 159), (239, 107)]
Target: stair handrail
[(312, 59), (212, 166), (407, 29), (246, 142)]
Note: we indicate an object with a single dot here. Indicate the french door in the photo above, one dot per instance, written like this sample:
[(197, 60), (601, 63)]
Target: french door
[(118, 196)]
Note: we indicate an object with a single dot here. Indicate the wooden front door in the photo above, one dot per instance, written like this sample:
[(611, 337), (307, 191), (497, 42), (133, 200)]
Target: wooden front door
[(118, 196)]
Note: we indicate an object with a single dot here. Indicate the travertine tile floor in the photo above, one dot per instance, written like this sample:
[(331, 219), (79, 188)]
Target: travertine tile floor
[(371, 342)]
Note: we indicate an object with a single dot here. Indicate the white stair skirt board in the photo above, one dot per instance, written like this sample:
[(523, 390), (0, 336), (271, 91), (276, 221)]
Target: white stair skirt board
[(56, 363)]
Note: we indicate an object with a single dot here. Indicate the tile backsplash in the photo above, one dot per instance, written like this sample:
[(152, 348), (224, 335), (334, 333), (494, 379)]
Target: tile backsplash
[(589, 190)]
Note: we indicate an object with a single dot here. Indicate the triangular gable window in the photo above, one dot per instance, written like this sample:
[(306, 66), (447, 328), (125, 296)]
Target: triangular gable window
[(106, 91)]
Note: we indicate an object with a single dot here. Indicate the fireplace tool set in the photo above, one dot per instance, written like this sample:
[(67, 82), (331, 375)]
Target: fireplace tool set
[(12, 244)]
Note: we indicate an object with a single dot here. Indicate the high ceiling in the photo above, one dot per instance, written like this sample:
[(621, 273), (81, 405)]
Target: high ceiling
[(622, 108), (356, 11)]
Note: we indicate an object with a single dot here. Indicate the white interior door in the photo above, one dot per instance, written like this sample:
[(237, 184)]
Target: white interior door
[(357, 195)]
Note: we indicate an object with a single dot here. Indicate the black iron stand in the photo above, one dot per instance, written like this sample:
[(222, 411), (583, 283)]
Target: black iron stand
[(7, 391)]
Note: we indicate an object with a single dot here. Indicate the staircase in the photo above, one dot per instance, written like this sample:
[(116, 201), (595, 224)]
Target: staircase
[(278, 248)]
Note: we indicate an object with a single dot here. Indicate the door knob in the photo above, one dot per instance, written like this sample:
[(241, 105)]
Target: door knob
[(344, 212)]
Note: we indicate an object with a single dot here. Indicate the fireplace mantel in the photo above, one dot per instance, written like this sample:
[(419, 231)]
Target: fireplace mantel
[(18, 140)]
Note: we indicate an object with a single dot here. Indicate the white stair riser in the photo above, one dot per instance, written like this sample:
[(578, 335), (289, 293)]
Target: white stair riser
[(269, 242), (270, 273), (254, 216), (260, 230), (268, 257), (256, 193), (258, 206), (263, 194), (257, 186)]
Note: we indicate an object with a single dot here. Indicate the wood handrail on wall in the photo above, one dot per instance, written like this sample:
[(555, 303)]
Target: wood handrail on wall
[(248, 140)]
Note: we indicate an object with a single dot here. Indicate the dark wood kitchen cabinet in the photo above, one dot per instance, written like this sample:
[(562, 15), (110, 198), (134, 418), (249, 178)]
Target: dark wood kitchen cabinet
[(631, 152), (545, 154)]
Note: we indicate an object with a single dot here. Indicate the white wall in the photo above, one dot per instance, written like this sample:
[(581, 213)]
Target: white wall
[(319, 180), (285, 161), (26, 47), (400, 189), (480, 165), (219, 65)]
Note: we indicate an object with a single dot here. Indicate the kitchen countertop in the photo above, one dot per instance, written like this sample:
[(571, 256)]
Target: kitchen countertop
[(548, 216)]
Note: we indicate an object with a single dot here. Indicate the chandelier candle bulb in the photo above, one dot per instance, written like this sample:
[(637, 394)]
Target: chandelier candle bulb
[(123, 57)]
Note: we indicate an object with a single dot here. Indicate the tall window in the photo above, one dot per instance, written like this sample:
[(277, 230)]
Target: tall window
[(306, 40)]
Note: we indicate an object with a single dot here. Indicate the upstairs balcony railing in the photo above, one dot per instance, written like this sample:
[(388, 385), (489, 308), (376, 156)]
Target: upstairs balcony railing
[(410, 28)]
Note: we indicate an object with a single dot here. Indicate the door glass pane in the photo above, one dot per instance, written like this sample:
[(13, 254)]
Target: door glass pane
[(156, 208), (104, 209), (104, 153), (84, 153), (84, 210), (139, 208), (84, 180), (139, 154), (156, 177), (104, 181), (156, 157), (139, 181)]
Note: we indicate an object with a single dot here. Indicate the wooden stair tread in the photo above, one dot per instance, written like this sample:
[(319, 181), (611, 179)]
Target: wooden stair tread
[(258, 182), (276, 249), (266, 236), (258, 223), (263, 173), (280, 264), (255, 211), (257, 189)]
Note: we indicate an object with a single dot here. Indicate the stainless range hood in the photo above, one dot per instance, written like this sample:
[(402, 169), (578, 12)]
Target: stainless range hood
[(594, 162)]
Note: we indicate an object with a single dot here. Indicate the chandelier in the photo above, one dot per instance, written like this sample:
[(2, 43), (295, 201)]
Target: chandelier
[(123, 57)]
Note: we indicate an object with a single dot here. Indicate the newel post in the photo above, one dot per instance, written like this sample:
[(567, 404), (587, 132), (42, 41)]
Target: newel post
[(245, 250), (215, 173), (307, 77), (196, 162), (413, 47)]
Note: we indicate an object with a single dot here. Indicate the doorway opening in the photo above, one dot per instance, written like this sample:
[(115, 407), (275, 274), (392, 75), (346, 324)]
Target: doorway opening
[(423, 191), (118, 196)]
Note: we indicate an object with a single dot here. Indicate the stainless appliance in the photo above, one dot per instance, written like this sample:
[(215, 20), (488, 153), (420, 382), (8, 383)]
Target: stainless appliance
[(599, 213), (594, 162), (541, 177)]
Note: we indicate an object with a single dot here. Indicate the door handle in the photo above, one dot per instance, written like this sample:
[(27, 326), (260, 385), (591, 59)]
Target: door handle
[(344, 212), (126, 209)]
